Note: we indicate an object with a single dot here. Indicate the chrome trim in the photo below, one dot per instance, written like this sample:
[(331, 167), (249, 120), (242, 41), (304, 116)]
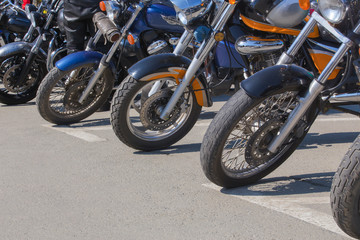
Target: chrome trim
[(113, 10), (106, 58), (347, 97), (316, 86), (156, 46), (184, 41), (254, 45), (336, 33), (199, 58), (2, 42), (188, 10), (170, 20), (174, 40), (287, 57), (332, 49)]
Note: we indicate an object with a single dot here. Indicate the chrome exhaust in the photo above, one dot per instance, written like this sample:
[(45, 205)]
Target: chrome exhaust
[(254, 45), (346, 97)]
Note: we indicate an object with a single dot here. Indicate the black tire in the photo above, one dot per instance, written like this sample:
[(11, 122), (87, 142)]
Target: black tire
[(10, 68), (120, 119), (228, 173), (73, 112), (345, 192)]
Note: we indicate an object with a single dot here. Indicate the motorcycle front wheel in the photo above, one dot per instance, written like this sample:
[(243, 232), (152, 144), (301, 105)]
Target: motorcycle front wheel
[(135, 116), (234, 149), (59, 93), (13, 92), (345, 192)]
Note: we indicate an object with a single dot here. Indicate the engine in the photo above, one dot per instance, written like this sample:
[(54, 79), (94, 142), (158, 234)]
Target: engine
[(261, 61)]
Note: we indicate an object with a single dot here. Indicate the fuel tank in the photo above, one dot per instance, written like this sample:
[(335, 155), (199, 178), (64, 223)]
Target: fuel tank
[(277, 16), (163, 17), (18, 23)]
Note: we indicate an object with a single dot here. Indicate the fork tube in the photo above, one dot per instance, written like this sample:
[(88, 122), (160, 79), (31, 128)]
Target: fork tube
[(288, 57), (198, 60), (103, 65), (316, 86), (93, 41), (184, 41)]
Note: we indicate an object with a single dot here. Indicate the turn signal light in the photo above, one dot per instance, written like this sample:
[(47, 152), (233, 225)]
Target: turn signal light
[(102, 6), (131, 39), (219, 36), (232, 1), (304, 4)]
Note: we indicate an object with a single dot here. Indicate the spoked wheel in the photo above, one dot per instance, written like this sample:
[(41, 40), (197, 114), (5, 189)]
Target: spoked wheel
[(60, 91), (135, 115), (345, 192), (13, 91), (234, 150)]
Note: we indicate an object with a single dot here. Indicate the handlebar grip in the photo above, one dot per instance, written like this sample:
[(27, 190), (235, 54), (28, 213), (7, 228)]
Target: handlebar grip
[(106, 26)]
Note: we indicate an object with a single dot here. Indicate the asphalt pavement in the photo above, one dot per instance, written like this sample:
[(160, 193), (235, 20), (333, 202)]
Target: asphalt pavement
[(81, 182)]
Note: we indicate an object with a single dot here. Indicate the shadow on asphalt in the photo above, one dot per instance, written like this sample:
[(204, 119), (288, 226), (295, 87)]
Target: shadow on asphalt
[(313, 140), (292, 185), (87, 123), (194, 147)]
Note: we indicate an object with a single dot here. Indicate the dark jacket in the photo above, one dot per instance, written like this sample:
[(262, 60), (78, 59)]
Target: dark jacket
[(75, 10)]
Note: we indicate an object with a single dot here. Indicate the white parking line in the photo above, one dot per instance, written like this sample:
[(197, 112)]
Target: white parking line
[(334, 119), (289, 206), (83, 132), (79, 132)]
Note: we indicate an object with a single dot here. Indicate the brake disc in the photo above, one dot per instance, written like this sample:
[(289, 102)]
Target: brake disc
[(73, 94), (11, 76), (152, 108), (256, 152)]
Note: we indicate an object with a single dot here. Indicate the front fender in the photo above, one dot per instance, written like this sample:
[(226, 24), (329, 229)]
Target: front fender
[(170, 65), (276, 78), (77, 59), (19, 47)]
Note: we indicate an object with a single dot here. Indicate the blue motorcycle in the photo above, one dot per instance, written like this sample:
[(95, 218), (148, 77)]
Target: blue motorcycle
[(82, 82)]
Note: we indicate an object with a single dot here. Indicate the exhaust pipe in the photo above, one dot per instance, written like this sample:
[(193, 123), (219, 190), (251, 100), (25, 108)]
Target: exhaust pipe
[(346, 97), (254, 45)]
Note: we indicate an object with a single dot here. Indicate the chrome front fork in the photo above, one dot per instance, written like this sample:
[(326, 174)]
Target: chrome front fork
[(317, 85), (183, 43), (199, 58), (105, 60)]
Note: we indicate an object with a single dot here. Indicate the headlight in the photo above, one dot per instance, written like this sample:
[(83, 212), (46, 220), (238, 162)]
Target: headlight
[(333, 10), (112, 8), (189, 10)]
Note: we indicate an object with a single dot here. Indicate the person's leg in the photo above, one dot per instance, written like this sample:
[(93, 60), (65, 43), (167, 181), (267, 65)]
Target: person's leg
[(75, 34)]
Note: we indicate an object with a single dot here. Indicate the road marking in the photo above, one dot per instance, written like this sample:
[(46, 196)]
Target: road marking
[(334, 119), (78, 132), (82, 132), (287, 205)]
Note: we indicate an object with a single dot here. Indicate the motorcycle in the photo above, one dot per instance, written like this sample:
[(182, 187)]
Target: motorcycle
[(345, 192), (262, 124), (24, 63), (83, 81), (13, 22), (232, 49)]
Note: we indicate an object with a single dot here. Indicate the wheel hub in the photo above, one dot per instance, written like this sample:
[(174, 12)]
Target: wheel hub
[(152, 108), (11, 77), (73, 94), (256, 152)]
